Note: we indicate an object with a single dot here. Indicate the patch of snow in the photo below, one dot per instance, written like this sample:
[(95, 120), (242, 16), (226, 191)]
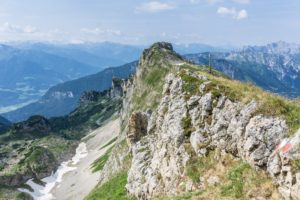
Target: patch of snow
[(41, 192)]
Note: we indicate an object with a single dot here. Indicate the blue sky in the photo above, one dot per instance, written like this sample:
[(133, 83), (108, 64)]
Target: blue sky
[(216, 22)]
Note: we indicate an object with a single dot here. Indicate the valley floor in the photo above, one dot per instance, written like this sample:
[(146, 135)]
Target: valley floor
[(78, 183)]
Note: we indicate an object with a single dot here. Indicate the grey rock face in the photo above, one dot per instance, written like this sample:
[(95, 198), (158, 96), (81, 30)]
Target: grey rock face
[(159, 157), (116, 90), (137, 127)]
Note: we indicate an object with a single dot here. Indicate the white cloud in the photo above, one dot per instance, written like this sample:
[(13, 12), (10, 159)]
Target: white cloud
[(208, 1), (238, 15), (154, 6), (99, 31), (9, 31), (214, 1), (242, 15), (226, 11), (242, 1), (11, 28)]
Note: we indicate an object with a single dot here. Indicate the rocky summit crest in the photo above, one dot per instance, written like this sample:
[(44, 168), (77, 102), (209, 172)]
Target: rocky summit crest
[(191, 130), (158, 53)]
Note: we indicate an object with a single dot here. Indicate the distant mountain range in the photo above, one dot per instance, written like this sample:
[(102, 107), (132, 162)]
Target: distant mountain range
[(99, 55), (26, 75), (63, 98), (274, 67), (29, 69)]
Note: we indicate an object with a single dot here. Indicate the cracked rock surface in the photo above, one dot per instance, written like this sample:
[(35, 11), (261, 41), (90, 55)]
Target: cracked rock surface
[(159, 156)]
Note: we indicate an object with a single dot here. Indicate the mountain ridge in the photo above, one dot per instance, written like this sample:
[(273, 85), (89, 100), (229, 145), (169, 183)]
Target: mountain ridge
[(191, 122), (63, 98), (274, 67), (29, 70)]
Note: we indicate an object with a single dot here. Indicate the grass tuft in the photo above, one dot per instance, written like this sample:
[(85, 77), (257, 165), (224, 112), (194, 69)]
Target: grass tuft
[(109, 143), (236, 177), (190, 84), (98, 164), (197, 166), (114, 189)]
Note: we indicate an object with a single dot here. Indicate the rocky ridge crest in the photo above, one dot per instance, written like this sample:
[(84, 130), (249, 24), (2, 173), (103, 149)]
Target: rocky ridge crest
[(194, 118)]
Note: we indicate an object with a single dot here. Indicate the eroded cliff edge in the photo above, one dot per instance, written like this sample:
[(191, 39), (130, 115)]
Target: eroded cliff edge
[(191, 130)]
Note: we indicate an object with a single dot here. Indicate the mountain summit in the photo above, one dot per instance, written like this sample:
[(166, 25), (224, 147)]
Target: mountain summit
[(192, 131)]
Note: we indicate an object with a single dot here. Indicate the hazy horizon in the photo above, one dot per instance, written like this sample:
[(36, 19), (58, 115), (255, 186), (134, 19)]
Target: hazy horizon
[(213, 22), (142, 46)]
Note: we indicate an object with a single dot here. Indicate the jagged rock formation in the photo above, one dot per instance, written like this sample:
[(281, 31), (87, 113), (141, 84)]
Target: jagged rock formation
[(160, 156), (192, 130), (196, 115), (158, 159)]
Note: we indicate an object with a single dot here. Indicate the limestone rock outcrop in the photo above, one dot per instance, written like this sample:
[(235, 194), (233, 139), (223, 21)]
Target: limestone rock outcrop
[(159, 156)]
